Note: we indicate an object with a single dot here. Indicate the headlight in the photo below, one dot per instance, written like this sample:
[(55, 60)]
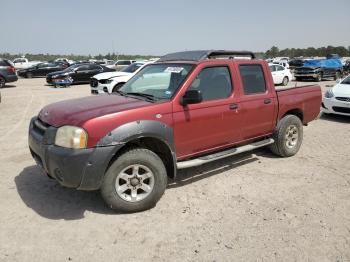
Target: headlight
[(329, 94), (71, 137)]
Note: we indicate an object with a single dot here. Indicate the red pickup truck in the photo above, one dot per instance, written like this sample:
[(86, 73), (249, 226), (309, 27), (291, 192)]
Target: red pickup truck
[(187, 109)]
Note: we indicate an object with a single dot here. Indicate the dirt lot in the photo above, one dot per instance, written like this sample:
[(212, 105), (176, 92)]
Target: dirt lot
[(255, 207)]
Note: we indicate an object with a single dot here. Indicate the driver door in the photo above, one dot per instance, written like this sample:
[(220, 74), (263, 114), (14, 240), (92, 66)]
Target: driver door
[(214, 122)]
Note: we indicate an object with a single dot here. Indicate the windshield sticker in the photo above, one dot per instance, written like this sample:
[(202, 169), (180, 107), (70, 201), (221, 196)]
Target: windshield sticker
[(174, 69)]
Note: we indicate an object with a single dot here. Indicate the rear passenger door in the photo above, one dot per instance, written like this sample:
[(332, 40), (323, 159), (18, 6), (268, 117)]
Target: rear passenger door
[(258, 105)]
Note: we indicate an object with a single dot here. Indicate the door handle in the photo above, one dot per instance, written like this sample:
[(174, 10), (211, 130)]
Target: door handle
[(233, 106), (267, 101)]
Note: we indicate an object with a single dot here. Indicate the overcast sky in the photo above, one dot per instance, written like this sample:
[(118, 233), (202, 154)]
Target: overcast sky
[(159, 26)]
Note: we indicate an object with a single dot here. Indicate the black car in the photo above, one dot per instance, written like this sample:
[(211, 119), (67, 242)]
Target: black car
[(80, 73), (42, 69), (7, 72)]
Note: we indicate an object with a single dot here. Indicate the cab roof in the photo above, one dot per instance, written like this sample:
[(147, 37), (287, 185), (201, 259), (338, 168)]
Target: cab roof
[(201, 55)]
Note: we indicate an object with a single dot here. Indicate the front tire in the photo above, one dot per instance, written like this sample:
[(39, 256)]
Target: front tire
[(288, 136), (285, 81), (29, 75), (2, 82), (135, 181), (319, 78)]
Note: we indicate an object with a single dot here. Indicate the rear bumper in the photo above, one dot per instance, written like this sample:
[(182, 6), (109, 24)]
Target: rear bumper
[(11, 78), (83, 169)]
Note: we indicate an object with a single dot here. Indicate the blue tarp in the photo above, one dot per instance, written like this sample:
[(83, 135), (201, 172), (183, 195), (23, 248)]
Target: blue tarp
[(324, 63)]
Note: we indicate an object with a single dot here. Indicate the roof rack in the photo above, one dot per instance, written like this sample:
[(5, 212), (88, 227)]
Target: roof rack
[(200, 55)]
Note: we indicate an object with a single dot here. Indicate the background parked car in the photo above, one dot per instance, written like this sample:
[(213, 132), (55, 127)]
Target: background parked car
[(23, 63), (7, 72), (121, 64), (337, 99), (80, 73), (319, 69), (280, 74), (112, 81), (42, 69)]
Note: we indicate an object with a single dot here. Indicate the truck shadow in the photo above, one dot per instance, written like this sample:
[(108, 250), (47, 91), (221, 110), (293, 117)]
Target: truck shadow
[(194, 174), (50, 200), (335, 118)]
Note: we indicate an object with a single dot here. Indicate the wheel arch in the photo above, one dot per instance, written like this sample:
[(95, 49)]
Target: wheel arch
[(153, 135), (296, 112)]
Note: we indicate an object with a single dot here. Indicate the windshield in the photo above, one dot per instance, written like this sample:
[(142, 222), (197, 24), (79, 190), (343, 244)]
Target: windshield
[(346, 81), (132, 68), (161, 81)]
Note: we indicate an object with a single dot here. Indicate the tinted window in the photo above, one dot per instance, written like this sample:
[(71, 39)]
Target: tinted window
[(94, 67), (3, 63), (272, 68), (83, 68), (253, 79), (123, 63), (280, 68), (213, 82)]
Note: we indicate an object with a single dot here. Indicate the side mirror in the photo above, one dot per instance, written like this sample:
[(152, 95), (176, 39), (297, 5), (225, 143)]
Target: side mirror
[(191, 97)]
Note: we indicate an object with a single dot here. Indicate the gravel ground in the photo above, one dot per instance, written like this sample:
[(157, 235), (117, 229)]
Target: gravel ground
[(255, 207)]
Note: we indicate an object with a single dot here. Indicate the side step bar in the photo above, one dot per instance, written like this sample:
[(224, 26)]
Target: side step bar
[(230, 152)]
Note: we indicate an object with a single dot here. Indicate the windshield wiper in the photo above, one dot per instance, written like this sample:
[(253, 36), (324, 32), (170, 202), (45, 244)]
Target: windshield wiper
[(148, 96)]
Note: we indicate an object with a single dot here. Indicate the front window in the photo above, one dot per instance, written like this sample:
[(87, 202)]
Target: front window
[(132, 68), (346, 81), (157, 81)]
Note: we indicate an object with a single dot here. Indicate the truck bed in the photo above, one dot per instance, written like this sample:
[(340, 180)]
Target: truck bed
[(307, 99)]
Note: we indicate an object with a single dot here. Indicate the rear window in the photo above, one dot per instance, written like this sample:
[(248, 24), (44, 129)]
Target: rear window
[(4, 63), (253, 79)]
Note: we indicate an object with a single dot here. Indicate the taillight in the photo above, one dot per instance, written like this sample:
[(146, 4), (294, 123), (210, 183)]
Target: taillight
[(11, 69)]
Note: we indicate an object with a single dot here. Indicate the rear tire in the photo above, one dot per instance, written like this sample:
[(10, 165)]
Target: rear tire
[(298, 79), (117, 87), (132, 172), (285, 81), (2, 82), (288, 136)]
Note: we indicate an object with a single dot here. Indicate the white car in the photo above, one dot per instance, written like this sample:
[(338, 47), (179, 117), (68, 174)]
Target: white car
[(110, 82), (337, 99), (23, 63), (280, 74)]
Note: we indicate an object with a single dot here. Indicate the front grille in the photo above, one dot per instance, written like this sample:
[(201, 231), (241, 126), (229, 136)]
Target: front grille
[(93, 82), (339, 109), (344, 99), (40, 127)]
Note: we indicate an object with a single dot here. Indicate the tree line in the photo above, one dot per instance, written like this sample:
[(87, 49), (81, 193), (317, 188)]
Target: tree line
[(274, 51), (51, 57), (307, 52)]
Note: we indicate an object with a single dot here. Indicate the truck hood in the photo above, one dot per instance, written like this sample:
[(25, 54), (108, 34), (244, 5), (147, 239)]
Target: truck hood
[(341, 90), (109, 75), (77, 111)]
